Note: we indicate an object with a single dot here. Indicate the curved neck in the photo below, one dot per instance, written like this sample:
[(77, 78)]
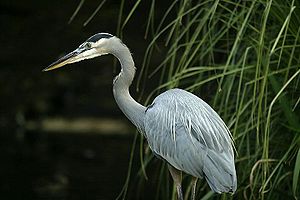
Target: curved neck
[(133, 110)]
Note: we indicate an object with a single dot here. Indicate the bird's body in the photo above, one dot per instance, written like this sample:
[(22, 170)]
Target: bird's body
[(187, 133), (180, 128)]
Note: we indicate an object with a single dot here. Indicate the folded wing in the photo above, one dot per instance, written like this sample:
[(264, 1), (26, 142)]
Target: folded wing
[(187, 133)]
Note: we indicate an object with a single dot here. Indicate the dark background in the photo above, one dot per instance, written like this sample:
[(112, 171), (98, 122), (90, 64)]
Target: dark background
[(40, 161)]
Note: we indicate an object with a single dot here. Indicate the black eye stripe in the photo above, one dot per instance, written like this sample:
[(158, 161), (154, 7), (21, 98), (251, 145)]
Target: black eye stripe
[(99, 36)]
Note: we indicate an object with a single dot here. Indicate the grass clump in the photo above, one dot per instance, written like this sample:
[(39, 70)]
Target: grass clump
[(243, 58)]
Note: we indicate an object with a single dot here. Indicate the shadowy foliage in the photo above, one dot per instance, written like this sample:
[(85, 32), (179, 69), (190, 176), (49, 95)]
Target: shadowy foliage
[(243, 58)]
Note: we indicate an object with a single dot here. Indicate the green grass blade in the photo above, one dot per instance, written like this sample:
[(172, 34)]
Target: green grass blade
[(296, 174)]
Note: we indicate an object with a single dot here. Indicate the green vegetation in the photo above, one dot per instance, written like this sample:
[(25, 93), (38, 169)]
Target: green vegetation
[(243, 58)]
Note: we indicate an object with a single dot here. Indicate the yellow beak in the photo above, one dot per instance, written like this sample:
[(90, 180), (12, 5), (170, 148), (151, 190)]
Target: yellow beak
[(67, 59)]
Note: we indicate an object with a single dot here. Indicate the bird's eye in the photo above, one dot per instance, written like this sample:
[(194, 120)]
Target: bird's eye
[(88, 45)]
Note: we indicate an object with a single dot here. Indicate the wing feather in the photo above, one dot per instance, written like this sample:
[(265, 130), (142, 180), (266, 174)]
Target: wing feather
[(186, 132)]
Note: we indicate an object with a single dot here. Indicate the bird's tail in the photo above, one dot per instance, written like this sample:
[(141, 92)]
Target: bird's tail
[(220, 173)]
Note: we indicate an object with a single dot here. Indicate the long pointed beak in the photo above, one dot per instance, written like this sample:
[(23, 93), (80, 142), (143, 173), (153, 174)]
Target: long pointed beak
[(62, 61)]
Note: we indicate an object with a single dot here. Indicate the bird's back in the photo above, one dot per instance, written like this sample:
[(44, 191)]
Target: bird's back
[(187, 133)]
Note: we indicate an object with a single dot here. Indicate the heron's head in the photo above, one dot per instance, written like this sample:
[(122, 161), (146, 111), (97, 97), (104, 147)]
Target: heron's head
[(97, 45)]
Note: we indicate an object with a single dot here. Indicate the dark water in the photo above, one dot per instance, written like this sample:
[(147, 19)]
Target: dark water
[(64, 166), (56, 165)]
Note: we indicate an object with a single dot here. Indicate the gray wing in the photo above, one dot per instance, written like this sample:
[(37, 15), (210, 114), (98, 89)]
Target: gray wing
[(186, 132)]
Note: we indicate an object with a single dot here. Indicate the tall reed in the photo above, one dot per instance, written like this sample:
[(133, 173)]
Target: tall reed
[(243, 58)]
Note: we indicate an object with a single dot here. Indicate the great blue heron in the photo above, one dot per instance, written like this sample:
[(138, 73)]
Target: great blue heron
[(180, 127)]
